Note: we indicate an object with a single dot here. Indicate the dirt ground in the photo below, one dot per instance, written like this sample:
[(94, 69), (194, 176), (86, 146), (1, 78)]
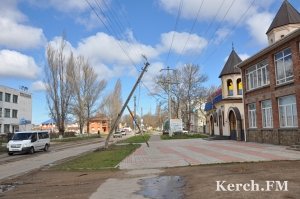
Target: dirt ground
[(200, 181)]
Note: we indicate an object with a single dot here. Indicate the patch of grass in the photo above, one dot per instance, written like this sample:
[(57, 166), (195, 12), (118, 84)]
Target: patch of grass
[(183, 136), (136, 139), (71, 139), (101, 159), (2, 148)]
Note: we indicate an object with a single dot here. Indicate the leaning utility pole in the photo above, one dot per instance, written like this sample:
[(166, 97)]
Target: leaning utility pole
[(169, 97), (140, 130), (125, 104), (134, 124)]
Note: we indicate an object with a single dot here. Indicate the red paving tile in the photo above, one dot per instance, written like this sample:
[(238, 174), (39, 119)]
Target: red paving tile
[(260, 154), (185, 152), (181, 155), (216, 155)]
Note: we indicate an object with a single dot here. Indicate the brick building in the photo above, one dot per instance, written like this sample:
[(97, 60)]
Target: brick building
[(272, 83), (99, 123)]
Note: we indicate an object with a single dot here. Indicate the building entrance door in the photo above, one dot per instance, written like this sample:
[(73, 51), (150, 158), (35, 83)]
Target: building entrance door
[(220, 125), (232, 124), (212, 130)]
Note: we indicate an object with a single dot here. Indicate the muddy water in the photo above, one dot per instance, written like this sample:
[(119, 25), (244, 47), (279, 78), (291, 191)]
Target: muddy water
[(162, 187), (6, 187)]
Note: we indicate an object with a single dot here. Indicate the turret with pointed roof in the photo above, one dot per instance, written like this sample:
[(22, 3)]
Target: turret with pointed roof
[(286, 21), (229, 67)]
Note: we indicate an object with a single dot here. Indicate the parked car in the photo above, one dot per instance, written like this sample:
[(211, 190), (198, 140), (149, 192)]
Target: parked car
[(28, 141), (117, 134), (123, 132)]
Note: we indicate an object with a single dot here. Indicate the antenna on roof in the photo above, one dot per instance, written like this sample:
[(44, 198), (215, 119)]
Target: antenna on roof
[(24, 88), (232, 46)]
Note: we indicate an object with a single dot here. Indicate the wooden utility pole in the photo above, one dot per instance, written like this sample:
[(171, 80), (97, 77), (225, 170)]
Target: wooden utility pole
[(136, 123), (169, 97)]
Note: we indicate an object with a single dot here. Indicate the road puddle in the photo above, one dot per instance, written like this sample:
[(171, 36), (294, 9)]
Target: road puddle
[(6, 187), (162, 187)]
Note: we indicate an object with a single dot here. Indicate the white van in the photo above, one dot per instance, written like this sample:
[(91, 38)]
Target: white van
[(28, 141)]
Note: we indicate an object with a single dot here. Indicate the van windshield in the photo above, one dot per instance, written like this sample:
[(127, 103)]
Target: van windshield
[(22, 136)]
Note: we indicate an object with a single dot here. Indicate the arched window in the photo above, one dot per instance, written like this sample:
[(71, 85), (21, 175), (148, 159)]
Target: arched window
[(239, 87), (230, 87)]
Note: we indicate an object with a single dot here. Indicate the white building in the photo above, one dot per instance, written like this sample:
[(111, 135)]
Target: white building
[(15, 110), (225, 109)]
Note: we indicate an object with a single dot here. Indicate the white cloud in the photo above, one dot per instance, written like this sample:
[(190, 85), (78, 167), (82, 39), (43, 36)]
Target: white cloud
[(55, 44), (9, 10), (65, 5), (109, 60), (256, 18), (13, 33), (221, 34), (192, 42), (78, 10), (15, 64), (106, 49), (106, 56), (258, 25), (243, 57), (209, 9), (153, 70), (38, 86), (18, 36)]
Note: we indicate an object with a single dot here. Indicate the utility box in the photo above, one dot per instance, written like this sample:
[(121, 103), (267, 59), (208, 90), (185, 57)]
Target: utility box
[(176, 126)]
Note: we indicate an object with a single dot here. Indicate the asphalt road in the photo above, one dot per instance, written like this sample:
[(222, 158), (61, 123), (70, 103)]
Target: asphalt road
[(18, 164)]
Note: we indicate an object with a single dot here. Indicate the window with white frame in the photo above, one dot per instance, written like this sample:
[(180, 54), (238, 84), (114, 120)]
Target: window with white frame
[(266, 110), (288, 111), (252, 115), (284, 66), (257, 75)]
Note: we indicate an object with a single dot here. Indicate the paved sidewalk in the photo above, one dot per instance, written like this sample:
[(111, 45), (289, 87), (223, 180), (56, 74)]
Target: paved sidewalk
[(35, 162), (172, 153)]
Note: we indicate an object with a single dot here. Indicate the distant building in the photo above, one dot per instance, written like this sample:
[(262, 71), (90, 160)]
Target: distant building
[(224, 108), (272, 83), (100, 123), (198, 119), (15, 110)]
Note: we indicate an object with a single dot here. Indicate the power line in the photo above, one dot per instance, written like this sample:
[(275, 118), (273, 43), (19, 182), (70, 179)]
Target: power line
[(109, 28), (217, 28), (175, 28), (232, 29), (113, 18), (190, 32)]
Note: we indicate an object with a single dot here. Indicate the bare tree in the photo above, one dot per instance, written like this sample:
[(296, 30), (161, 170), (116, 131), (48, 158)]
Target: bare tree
[(87, 89), (194, 93), (186, 89), (93, 87), (112, 104), (58, 91)]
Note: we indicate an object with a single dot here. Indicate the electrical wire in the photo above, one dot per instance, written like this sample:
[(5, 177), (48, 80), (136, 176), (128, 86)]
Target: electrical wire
[(216, 29), (190, 32), (175, 28), (232, 29)]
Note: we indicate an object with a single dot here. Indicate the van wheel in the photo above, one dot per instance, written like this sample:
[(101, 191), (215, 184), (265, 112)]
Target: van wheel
[(46, 147), (31, 151), (10, 153)]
